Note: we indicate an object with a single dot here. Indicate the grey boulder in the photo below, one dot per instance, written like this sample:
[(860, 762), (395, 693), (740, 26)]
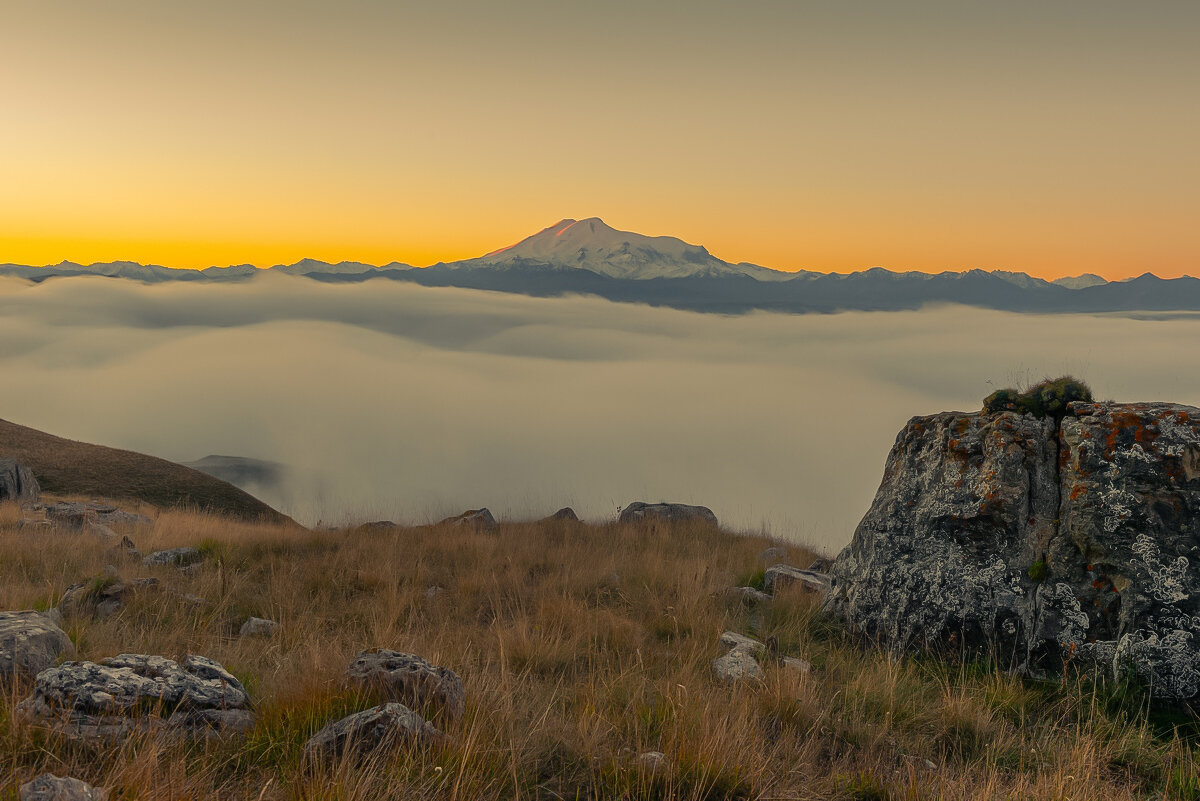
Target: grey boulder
[(179, 557), (30, 642), (739, 663), (138, 692), (49, 787), (478, 519), (776, 577), (104, 595), (17, 482), (411, 680), (259, 627), (639, 512), (383, 727)]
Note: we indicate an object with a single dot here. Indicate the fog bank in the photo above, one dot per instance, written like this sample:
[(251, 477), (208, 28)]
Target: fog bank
[(396, 401)]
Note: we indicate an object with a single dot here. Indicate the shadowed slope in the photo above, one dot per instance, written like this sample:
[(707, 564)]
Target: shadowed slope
[(66, 467)]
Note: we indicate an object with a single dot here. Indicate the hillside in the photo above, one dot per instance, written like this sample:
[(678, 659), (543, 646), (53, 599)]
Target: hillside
[(585, 653), (66, 467)]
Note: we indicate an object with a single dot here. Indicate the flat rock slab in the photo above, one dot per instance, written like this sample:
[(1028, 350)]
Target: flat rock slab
[(732, 640), (30, 642), (49, 787), (382, 727), (409, 679), (138, 692), (478, 519), (639, 512), (179, 557), (737, 665), (776, 577), (259, 627)]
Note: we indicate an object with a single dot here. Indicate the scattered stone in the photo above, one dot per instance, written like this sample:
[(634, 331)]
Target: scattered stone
[(747, 595), (81, 516), (732, 640), (794, 663), (639, 512), (49, 787), (736, 665), (652, 761), (773, 555), (99, 531), (566, 514), (125, 550), (180, 557), (409, 679), (103, 595), (433, 591), (136, 692), (30, 642), (17, 483), (1056, 543), (386, 726), (259, 627), (779, 576), (820, 565), (478, 519), (192, 600)]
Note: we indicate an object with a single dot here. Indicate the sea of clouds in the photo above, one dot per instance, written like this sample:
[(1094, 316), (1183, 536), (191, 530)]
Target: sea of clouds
[(391, 400)]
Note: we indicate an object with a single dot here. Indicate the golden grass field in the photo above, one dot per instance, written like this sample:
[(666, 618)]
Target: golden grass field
[(580, 647)]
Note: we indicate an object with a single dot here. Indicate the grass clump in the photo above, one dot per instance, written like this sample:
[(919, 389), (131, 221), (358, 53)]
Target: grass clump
[(1047, 398), (1038, 571)]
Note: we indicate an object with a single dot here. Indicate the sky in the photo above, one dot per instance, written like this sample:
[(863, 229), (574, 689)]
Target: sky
[(1052, 138), (395, 401)]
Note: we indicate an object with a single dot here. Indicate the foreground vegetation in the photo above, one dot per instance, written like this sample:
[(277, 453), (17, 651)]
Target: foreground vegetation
[(581, 648)]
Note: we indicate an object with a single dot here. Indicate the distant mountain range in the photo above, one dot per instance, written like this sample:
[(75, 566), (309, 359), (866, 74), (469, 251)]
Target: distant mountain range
[(589, 257)]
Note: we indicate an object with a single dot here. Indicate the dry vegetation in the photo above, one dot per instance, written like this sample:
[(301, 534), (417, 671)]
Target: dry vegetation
[(580, 648)]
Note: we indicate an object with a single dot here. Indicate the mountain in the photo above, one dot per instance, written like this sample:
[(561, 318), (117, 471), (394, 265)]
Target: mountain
[(241, 471), (66, 467), (1080, 281), (592, 245)]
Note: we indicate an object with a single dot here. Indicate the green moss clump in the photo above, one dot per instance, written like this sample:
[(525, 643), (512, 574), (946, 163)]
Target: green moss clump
[(1048, 398), (1038, 571)]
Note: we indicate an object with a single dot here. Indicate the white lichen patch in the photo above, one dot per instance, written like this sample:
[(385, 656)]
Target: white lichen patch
[(1169, 582)]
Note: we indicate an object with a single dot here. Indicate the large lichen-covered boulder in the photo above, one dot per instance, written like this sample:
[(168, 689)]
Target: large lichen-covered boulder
[(49, 787), (17, 482), (1044, 541), (966, 506), (138, 692), (30, 642), (1130, 544)]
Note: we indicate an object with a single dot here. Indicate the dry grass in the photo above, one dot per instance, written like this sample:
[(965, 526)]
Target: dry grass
[(580, 648)]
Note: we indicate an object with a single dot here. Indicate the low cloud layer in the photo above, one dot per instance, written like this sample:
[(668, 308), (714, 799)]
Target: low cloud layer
[(397, 401)]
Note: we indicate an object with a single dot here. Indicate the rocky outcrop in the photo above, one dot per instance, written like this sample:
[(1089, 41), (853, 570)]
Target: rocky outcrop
[(17, 482), (179, 557), (1044, 542), (639, 512), (379, 728), (136, 692), (49, 787), (478, 519), (411, 680), (30, 642), (565, 514), (87, 515)]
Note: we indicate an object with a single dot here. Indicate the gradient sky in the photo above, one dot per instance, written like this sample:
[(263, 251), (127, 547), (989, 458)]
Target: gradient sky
[(1054, 138)]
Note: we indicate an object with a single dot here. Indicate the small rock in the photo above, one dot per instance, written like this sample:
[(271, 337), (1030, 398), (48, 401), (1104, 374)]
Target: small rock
[(409, 679), (820, 565), (125, 550), (773, 555), (103, 595), (652, 760), (747, 595), (793, 663), (564, 514), (378, 525), (732, 640), (478, 519), (180, 557), (433, 592), (639, 512), (386, 726), (49, 787), (30, 642), (779, 576), (259, 627), (736, 665), (99, 531)]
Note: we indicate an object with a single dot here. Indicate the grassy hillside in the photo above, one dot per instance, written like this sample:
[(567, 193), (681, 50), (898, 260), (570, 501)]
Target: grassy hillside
[(580, 648), (66, 467)]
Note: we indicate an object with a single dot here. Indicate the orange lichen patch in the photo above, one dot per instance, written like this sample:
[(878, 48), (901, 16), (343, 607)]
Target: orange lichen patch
[(1183, 417), (1128, 421), (961, 425), (1077, 491)]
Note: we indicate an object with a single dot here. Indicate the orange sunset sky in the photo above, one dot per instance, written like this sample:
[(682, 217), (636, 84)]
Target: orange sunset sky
[(1054, 138)]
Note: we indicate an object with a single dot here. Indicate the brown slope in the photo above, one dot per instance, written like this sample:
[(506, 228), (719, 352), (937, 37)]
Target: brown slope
[(66, 467)]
